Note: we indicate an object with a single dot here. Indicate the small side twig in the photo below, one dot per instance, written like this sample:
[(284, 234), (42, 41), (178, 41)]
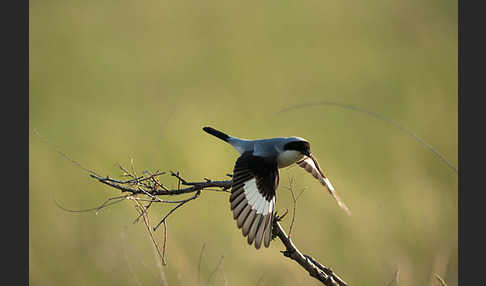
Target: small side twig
[(294, 203), (141, 209), (441, 281), (218, 268), (199, 264), (183, 202), (164, 243), (395, 278), (260, 279)]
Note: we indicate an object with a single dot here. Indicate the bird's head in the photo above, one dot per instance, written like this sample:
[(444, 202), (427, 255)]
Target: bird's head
[(292, 150), (297, 144)]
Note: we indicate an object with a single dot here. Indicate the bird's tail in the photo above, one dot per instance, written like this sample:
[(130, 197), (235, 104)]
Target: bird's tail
[(217, 133)]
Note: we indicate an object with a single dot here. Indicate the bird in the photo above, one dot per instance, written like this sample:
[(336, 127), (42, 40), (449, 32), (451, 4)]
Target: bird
[(255, 180)]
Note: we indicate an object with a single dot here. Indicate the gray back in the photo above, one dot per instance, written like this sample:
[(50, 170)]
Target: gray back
[(270, 147)]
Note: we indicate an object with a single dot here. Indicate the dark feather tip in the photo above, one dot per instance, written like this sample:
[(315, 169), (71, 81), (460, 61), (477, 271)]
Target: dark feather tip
[(216, 133)]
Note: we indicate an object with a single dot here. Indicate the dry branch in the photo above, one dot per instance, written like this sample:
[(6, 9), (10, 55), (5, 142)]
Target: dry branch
[(148, 189), (315, 269)]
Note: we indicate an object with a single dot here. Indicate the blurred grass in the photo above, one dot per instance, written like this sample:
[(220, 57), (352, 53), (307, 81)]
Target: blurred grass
[(114, 80)]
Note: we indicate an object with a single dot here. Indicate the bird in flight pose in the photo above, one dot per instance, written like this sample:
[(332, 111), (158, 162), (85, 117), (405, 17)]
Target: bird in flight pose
[(255, 180)]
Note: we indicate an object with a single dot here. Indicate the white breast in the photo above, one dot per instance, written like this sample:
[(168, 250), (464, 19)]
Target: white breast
[(288, 157)]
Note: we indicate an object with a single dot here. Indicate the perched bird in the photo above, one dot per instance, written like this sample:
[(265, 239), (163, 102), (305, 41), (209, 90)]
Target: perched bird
[(255, 180)]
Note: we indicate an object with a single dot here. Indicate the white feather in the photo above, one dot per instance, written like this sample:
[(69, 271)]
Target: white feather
[(264, 206), (254, 200), (250, 188), (260, 206)]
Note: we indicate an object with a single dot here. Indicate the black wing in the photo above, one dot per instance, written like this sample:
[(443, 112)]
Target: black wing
[(252, 199)]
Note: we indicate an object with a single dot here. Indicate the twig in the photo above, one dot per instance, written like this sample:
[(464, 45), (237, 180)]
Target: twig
[(199, 264), (164, 243), (294, 203), (144, 211), (260, 279), (56, 149), (106, 203), (176, 207), (218, 268), (133, 167), (441, 281), (147, 225), (395, 278)]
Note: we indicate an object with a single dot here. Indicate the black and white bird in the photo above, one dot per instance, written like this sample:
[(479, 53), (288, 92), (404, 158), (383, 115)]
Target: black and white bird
[(255, 180)]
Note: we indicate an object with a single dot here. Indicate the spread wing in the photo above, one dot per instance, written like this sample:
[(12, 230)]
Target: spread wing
[(311, 165), (252, 199)]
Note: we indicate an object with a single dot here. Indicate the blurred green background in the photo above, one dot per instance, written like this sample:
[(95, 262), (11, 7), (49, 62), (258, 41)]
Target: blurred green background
[(113, 80)]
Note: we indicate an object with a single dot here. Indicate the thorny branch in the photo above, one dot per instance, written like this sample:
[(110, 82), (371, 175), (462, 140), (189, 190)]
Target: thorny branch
[(147, 189)]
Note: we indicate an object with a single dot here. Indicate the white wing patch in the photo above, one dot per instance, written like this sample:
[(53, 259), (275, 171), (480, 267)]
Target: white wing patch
[(254, 198), (251, 189), (261, 206)]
